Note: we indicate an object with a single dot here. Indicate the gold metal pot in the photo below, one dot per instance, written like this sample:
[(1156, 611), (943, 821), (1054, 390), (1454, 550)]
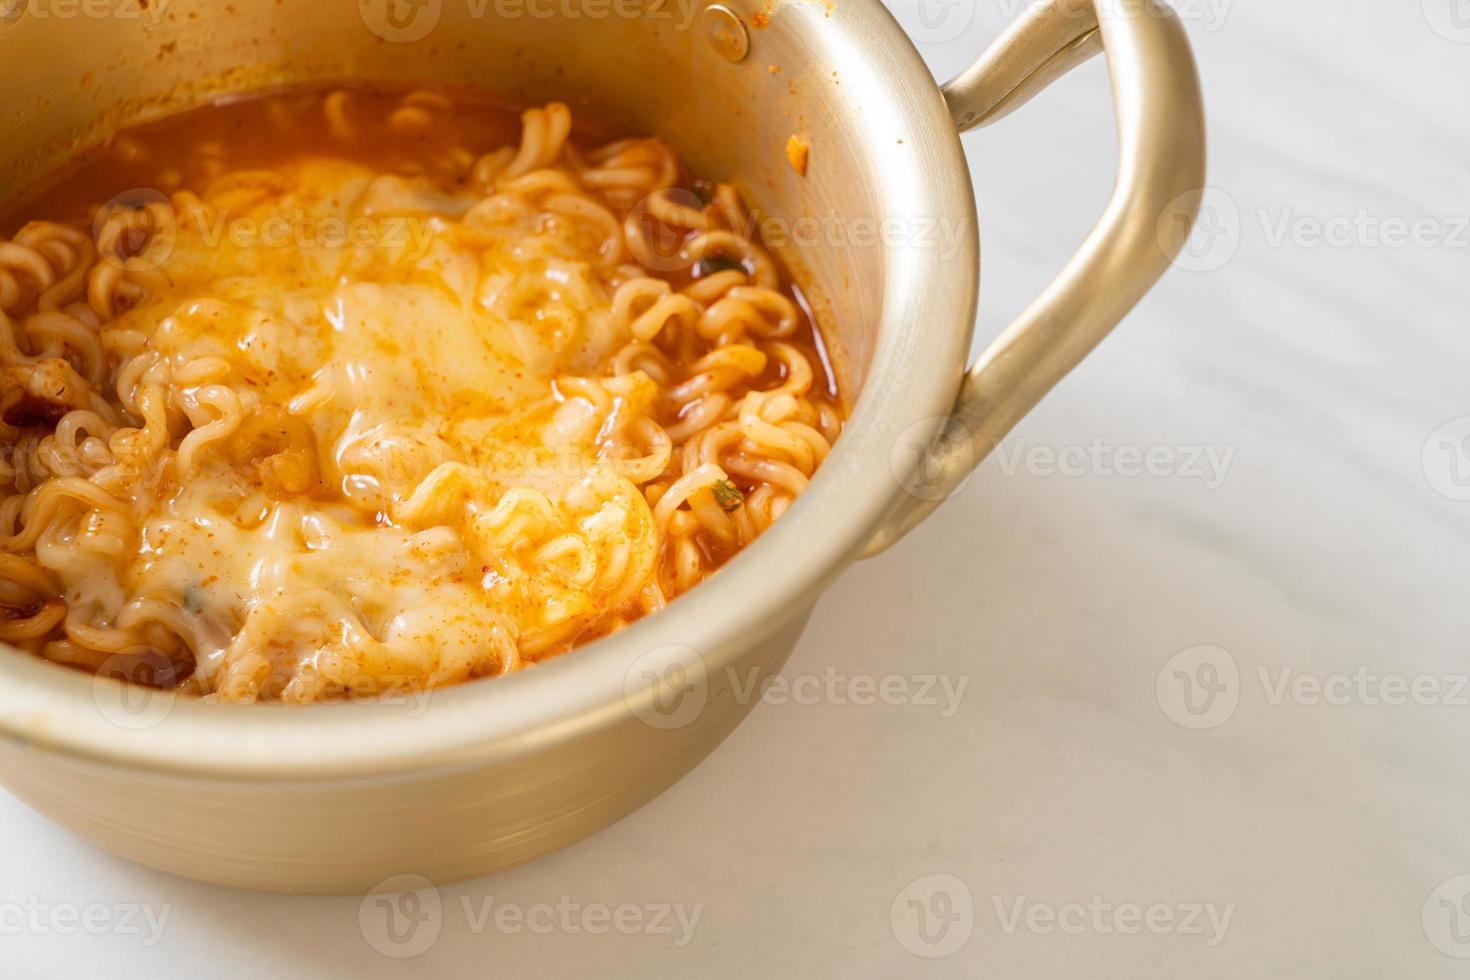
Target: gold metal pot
[(476, 778)]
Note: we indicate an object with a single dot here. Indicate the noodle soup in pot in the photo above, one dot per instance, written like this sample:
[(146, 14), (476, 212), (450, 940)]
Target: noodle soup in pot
[(330, 393), (317, 395)]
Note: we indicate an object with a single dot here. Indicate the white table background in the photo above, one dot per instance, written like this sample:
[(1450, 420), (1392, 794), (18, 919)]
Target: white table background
[(1058, 598)]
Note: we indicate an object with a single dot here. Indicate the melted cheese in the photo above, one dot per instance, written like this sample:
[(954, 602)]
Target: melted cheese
[(422, 356)]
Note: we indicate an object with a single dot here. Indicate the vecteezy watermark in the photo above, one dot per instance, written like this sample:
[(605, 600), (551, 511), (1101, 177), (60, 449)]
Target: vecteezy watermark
[(401, 21), (1216, 237), (1450, 19), (36, 917), (1099, 917), (664, 249), (12, 12), (669, 687), (933, 458), (933, 916), (941, 692), (138, 688), (138, 230), (131, 688), (403, 917), (933, 21), (1201, 687), (1364, 686), (407, 21), (1363, 229), (941, 21), (307, 231), (676, 921), (1445, 459), (1207, 15), (942, 234), (1201, 229), (1446, 917), (1206, 464)]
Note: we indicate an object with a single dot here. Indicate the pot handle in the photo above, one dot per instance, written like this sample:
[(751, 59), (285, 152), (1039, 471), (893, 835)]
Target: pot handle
[(1161, 174)]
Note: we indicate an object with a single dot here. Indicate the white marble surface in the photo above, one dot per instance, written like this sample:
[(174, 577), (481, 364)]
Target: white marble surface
[(1321, 549)]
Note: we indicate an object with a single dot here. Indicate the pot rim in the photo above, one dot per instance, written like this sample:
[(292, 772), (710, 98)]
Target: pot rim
[(925, 326)]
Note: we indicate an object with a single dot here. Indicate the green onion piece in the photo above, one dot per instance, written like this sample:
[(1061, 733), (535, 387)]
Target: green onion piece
[(727, 495)]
